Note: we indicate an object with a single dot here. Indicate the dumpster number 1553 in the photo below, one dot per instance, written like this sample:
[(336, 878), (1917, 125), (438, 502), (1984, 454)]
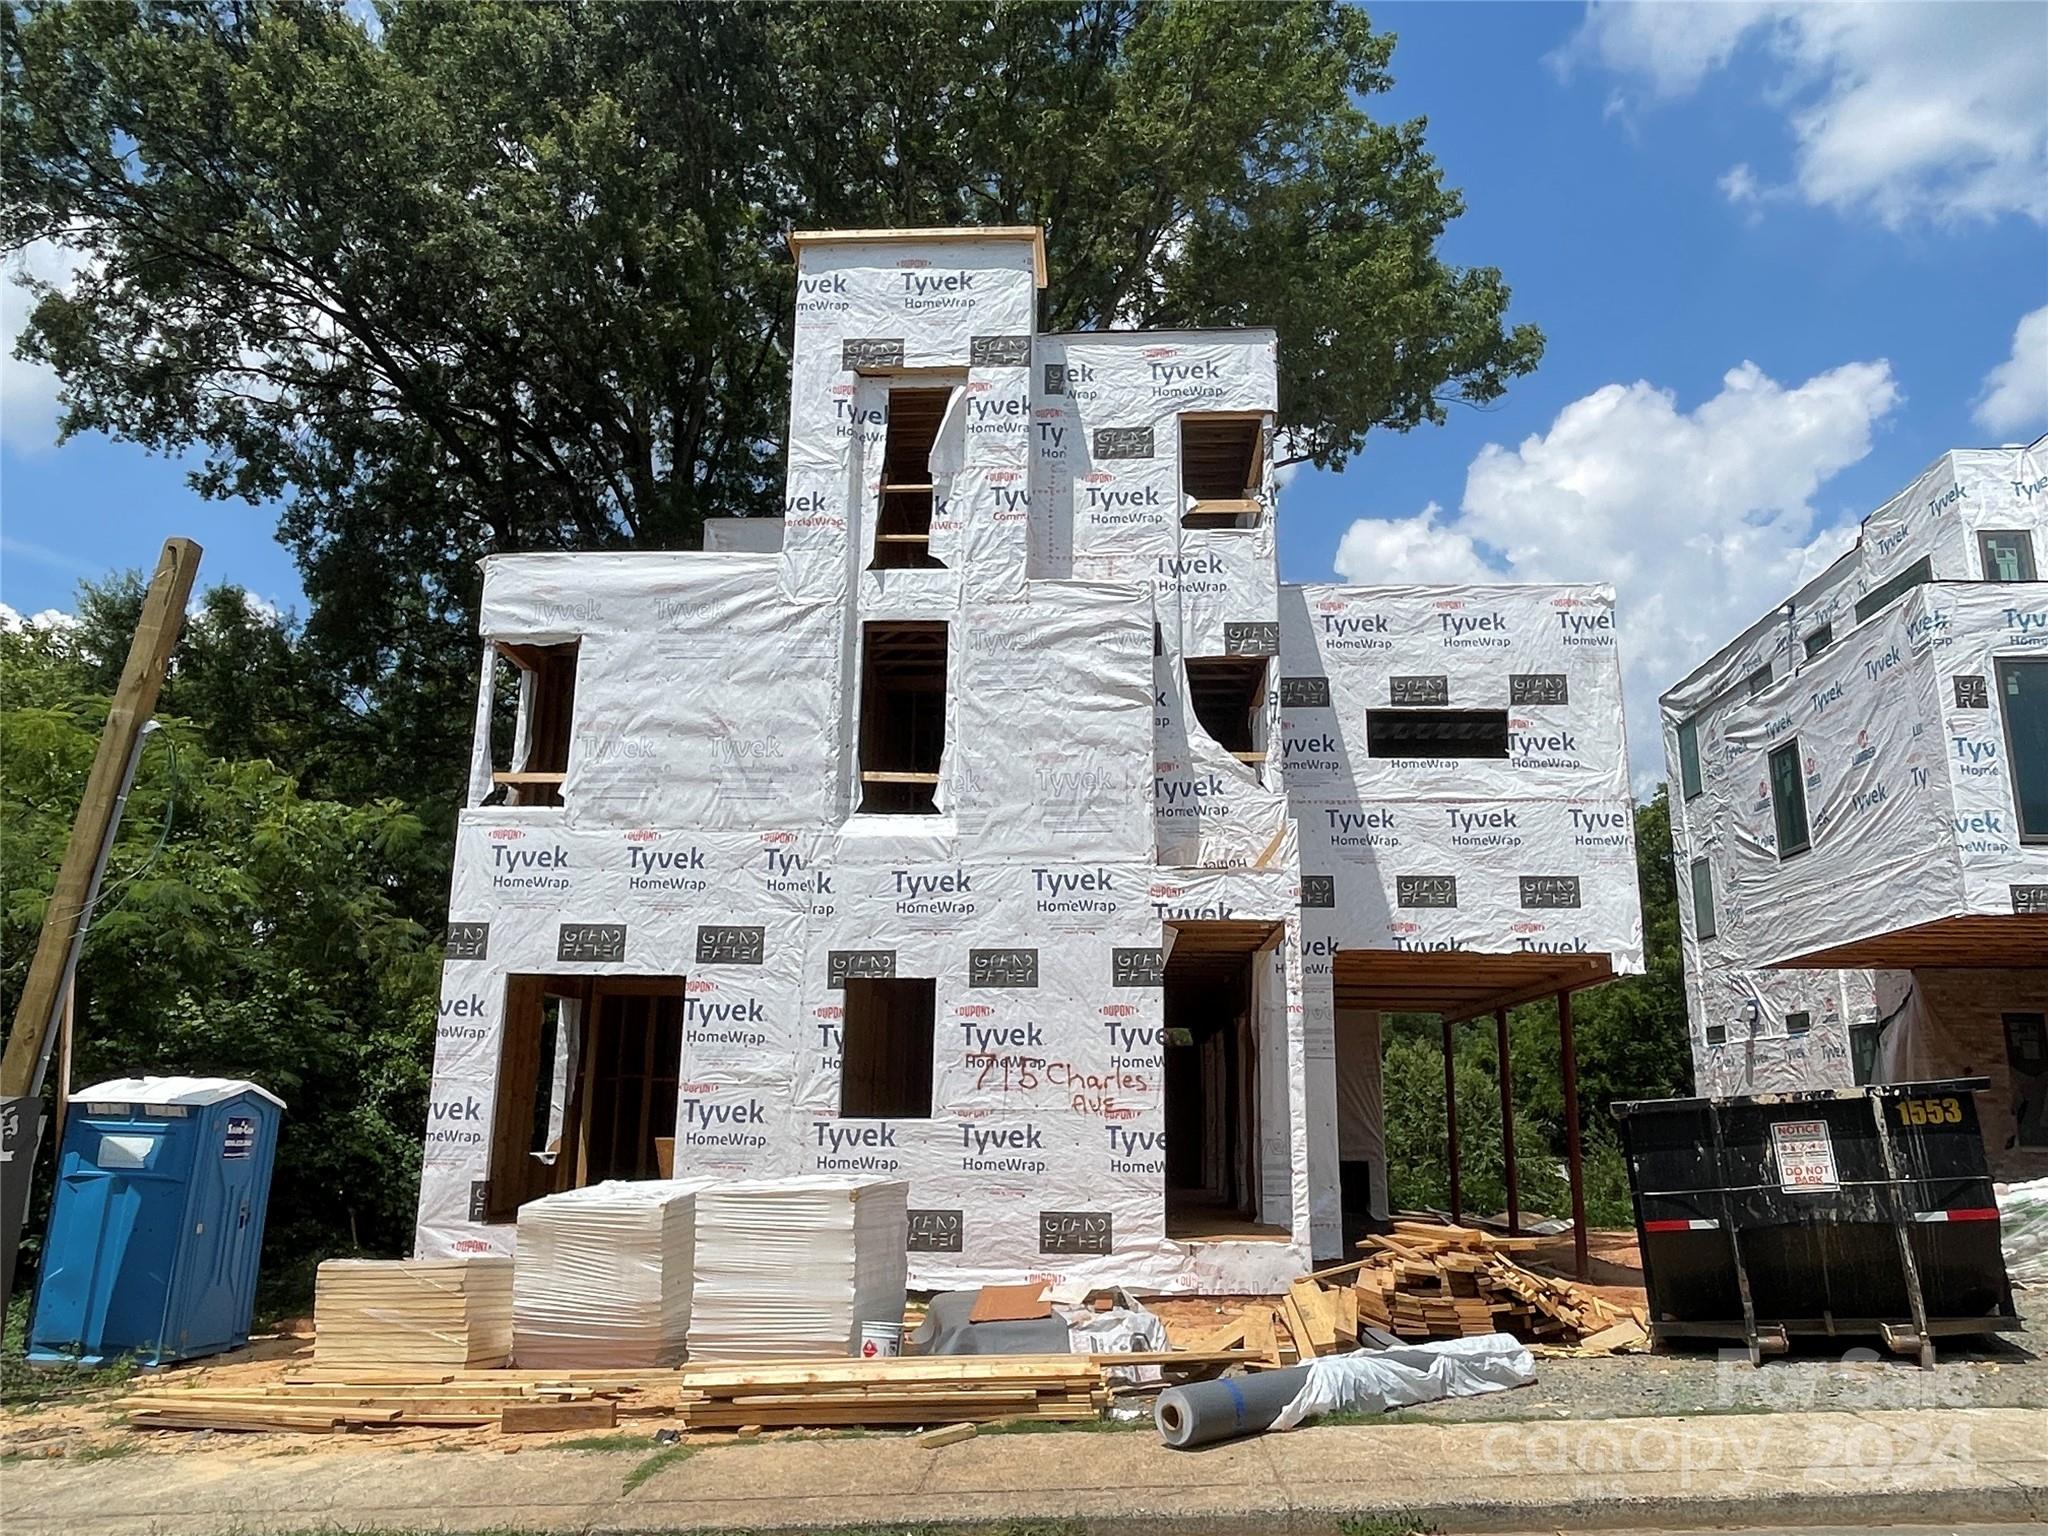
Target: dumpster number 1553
[(1930, 1112)]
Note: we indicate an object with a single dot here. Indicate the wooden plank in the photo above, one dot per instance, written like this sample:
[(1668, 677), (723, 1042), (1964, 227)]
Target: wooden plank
[(522, 777), (1344, 1315), (1226, 1335), (134, 701), (529, 1418), (951, 1434), (1314, 1307), (799, 238), (880, 776), (1297, 1326)]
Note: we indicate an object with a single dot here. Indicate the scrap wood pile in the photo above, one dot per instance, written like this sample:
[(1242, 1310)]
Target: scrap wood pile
[(946, 1389), (1427, 1281)]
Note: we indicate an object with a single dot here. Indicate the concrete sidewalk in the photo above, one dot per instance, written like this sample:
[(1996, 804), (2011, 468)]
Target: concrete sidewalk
[(1946, 1465)]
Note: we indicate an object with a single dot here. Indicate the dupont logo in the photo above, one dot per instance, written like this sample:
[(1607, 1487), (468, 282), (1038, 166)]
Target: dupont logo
[(467, 941), (594, 943), (727, 944), (1425, 890), (1418, 692), (999, 352), (1542, 892), (862, 352), (1972, 691), (934, 1231), (1304, 693), (1074, 1232), (1319, 891), (1123, 442)]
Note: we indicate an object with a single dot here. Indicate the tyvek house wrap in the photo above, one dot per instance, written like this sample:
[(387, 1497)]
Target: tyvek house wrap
[(710, 831), (1739, 1007), (1909, 794)]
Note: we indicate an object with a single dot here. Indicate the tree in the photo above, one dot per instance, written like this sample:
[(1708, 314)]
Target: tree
[(243, 929), (487, 277), (1632, 1043)]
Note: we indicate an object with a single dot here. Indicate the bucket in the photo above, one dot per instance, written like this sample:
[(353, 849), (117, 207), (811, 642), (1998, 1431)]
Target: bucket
[(879, 1341)]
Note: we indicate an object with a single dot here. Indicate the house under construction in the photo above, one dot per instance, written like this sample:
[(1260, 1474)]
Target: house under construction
[(996, 820)]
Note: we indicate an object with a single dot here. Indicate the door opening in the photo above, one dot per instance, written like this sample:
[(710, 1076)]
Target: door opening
[(1212, 1164), (588, 1070)]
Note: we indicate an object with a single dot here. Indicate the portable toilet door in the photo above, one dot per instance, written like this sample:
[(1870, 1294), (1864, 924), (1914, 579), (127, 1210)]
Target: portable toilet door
[(157, 1230)]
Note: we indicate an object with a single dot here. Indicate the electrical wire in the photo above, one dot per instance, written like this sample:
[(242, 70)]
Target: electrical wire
[(163, 837)]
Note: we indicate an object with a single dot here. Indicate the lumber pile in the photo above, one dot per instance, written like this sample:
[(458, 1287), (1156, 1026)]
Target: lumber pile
[(1426, 1281), (413, 1312), (933, 1390)]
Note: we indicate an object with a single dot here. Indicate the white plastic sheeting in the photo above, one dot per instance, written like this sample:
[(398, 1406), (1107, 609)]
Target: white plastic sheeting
[(1939, 840), (795, 1267), (1372, 1381), (603, 1277), (2023, 1230)]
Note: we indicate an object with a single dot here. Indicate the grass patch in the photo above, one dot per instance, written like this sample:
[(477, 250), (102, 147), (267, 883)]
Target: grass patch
[(626, 1442), (661, 1460), (1386, 1525), (113, 1450)]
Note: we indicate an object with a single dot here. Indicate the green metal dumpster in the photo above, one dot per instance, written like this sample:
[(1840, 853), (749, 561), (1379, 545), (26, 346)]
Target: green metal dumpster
[(1843, 1212)]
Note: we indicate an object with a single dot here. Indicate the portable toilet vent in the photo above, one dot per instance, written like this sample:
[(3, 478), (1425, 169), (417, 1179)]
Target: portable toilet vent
[(158, 1221)]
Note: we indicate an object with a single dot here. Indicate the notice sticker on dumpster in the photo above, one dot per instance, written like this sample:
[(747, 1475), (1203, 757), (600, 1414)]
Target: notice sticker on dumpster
[(1806, 1156)]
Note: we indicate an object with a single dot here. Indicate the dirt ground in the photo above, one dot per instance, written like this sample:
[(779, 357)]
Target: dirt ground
[(1990, 1372)]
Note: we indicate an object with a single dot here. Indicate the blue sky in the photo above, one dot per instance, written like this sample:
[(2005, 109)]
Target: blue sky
[(1780, 253)]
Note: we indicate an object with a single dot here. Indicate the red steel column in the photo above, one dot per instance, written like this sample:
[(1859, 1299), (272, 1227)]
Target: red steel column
[(1574, 1152)]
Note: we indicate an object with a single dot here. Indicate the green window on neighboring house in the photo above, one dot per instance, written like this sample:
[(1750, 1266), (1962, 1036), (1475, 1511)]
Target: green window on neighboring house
[(1788, 800), (1819, 640), (1798, 1023), (1702, 899), (2008, 554), (1919, 573), (1689, 758), (2023, 697), (1757, 681)]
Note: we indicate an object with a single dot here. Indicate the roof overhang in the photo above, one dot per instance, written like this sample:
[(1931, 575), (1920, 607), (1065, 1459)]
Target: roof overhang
[(1459, 984), (1991, 942)]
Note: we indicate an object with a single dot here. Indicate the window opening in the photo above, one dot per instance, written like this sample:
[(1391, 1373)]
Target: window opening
[(1689, 758), (1788, 800), (1227, 692), (1436, 732), (1919, 573), (885, 1055), (2008, 554), (1702, 899), (2023, 696), (533, 768), (1757, 681), (902, 717), (1221, 456), (903, 523), (1819, 640), (2026, 1058), (1798, 1023)]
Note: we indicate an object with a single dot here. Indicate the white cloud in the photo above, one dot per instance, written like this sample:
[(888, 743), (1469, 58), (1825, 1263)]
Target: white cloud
[(13, 622), (1702, 519), (28, 391), (2015, 395), (1909, 111), (1381, 552)]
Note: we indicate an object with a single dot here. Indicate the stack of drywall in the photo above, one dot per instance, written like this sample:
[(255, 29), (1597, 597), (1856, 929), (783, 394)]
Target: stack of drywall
[(794, 1267), (413, 1312), (602, 1276)]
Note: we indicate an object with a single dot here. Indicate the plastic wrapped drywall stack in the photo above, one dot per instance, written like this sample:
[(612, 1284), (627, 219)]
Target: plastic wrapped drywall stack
[(602, 1276), (793, 1267), (413, 1312)]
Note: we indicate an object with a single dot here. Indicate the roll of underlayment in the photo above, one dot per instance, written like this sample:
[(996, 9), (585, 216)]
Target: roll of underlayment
[(1204, 1412)]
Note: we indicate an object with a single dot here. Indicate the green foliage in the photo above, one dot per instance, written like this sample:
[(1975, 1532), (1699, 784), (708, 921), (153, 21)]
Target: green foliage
[(1631, 1044), (244, 929), (491, 276)]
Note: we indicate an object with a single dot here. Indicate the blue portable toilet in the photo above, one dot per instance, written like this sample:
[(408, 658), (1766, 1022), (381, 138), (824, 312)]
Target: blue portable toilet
[(158, 1221)]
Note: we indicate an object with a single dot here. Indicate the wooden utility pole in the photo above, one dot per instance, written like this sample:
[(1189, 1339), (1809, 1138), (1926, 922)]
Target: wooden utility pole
[(85, 856)]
